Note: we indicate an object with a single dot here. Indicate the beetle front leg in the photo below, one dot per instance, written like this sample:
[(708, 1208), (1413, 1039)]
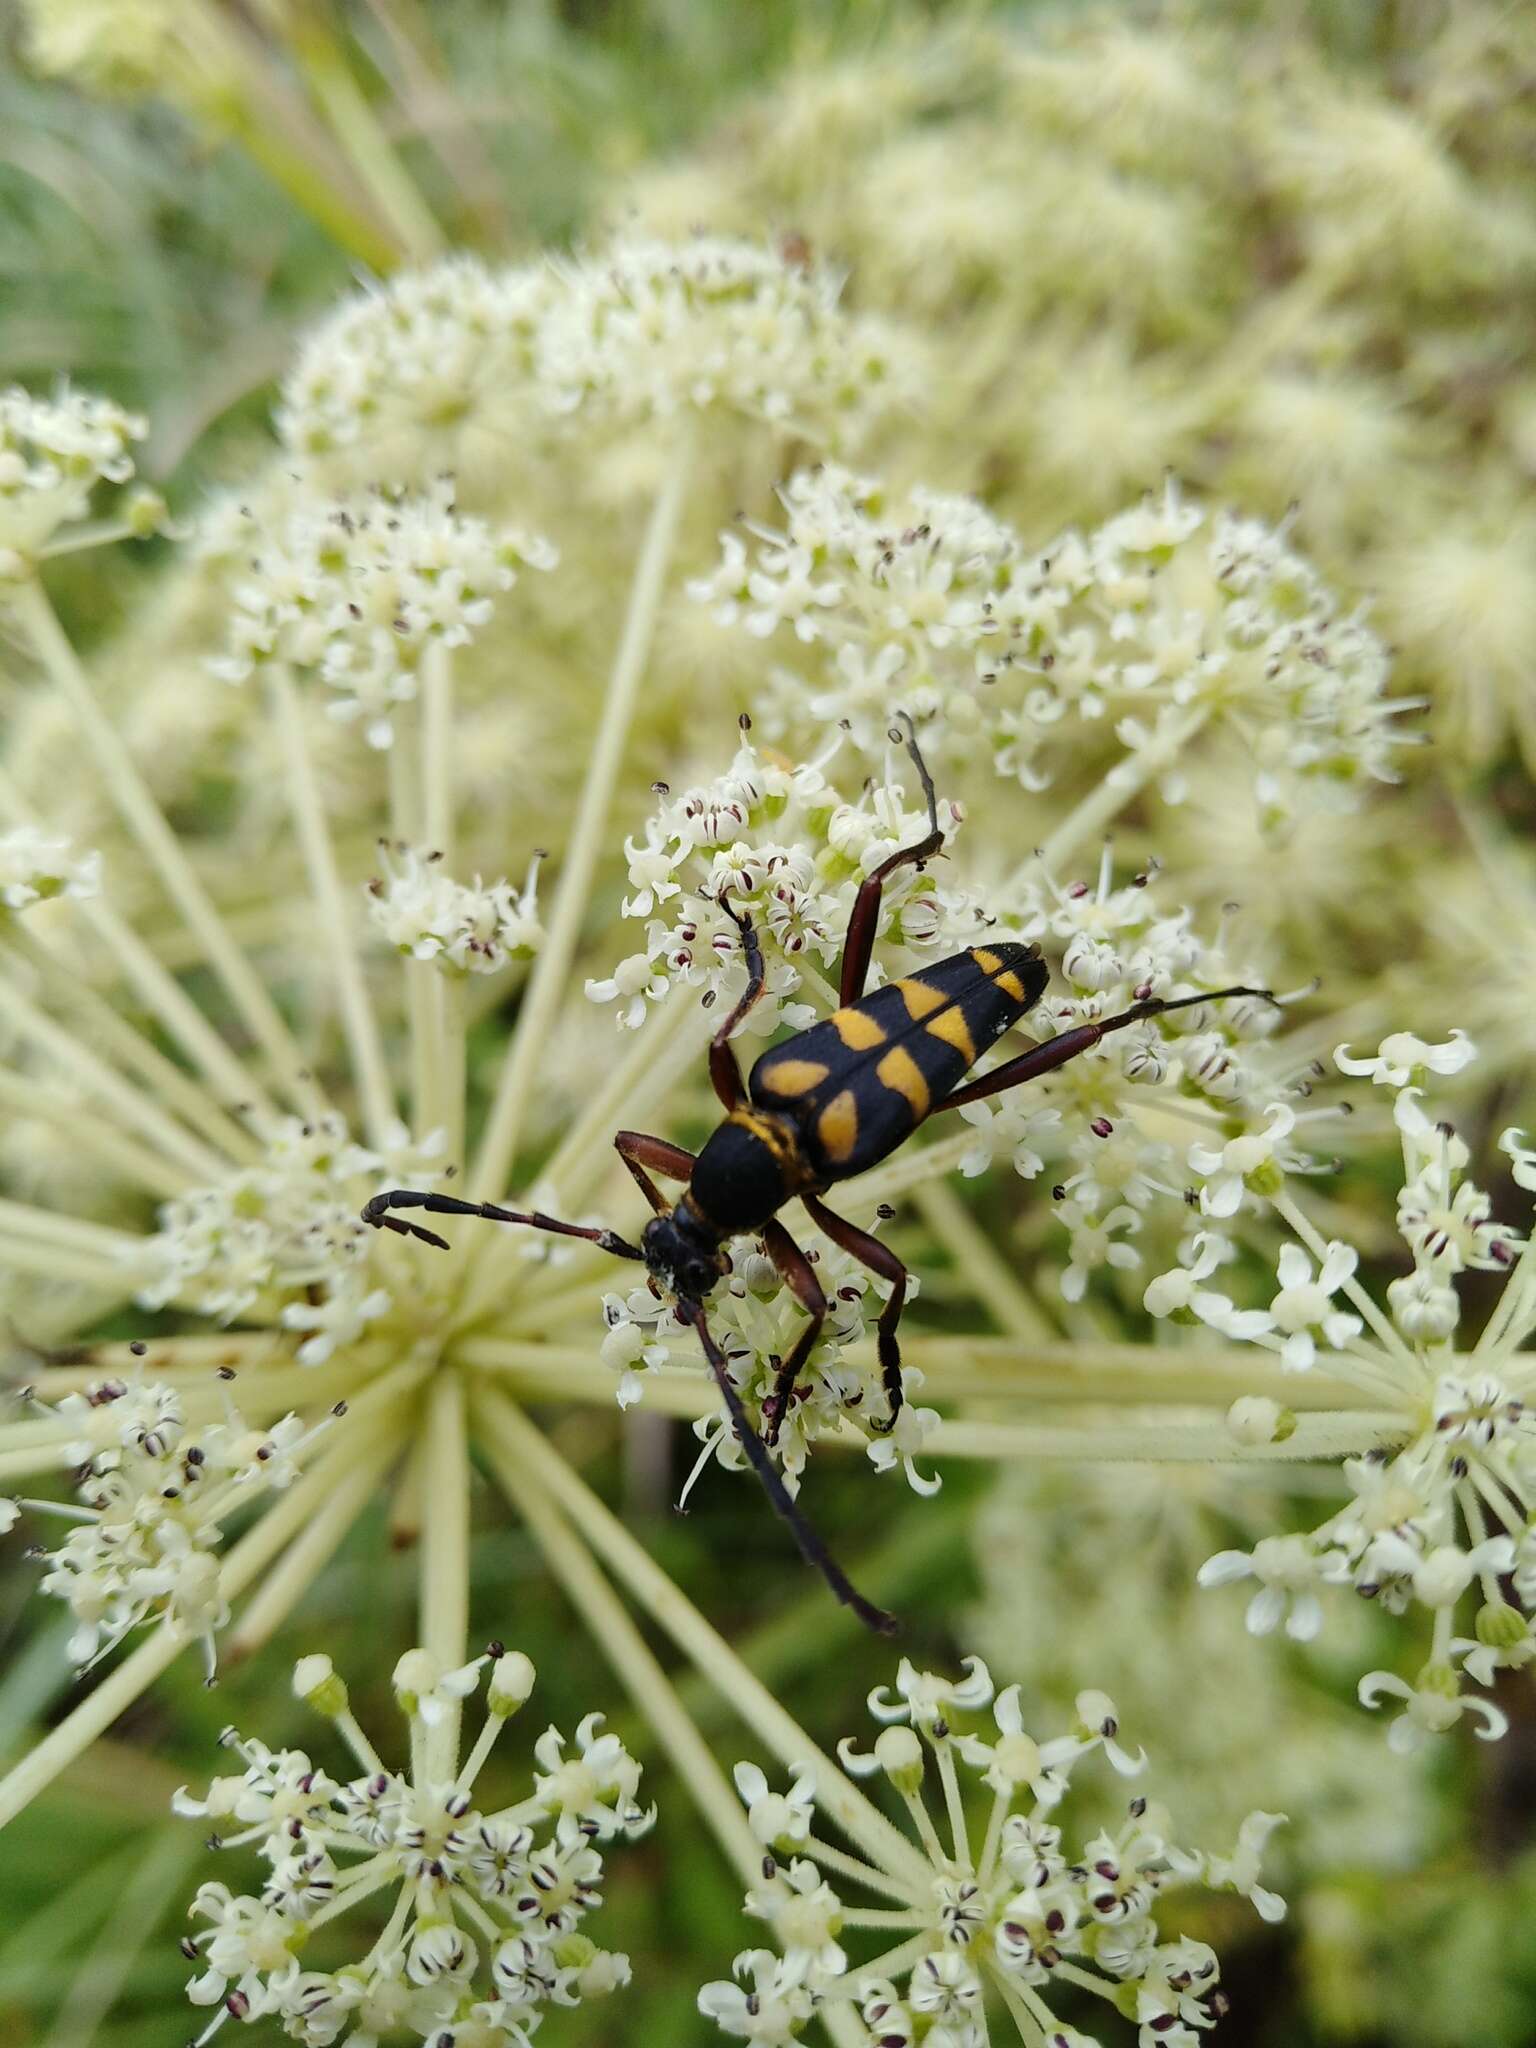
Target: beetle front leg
[(639, 1150), (859, 942), (812, 1549), (879, 1258), (724, 1072)]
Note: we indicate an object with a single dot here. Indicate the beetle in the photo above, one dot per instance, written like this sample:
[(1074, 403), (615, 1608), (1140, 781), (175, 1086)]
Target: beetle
[(818, 1108)]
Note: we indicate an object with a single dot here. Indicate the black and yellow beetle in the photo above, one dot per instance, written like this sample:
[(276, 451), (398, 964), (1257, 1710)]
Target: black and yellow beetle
[(824, 1105)]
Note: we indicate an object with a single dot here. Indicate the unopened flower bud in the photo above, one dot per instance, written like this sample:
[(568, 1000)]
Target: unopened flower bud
[(900, 1755), (512, 1680), (416, 1673), (316, 1683), (1255, 1419), (1500, 1626)]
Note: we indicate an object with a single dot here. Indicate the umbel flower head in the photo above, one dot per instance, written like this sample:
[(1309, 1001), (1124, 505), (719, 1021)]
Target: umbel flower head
[(989, 1926), (1141, 632), (53, 454), (153, 1491), (1443, 1504), (460, 361), (483, 1905)]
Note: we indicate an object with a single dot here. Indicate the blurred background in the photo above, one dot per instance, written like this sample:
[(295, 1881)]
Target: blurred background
[(1285, 250)]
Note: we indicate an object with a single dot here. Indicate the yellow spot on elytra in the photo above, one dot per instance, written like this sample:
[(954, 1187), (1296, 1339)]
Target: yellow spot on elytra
[(794, 1077), (989, 963), (1011, 985), (920, 999), (857, 1031), (953, 1029), (900, 1072), (838, 1126)]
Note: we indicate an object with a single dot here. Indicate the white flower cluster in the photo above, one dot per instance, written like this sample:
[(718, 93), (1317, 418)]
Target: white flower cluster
[(485, 1928), (53, 453), (1446, 1506), (755, 1320), (154, 1491), (784, 847), (425, 913), (286, 1233), (1141, 631), (468, 356), (1000, 1926), (1103, 1123), (354, 593), (37, 865), (651, 328)]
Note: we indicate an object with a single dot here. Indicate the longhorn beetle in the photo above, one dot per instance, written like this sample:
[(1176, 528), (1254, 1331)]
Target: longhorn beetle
[(819, 1108)]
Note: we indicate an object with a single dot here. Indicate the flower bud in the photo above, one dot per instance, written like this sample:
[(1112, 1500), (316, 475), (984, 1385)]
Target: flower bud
[(1255, 1419), (1500, 1626), (512, 1680), (900, 1755), (315, 1682)]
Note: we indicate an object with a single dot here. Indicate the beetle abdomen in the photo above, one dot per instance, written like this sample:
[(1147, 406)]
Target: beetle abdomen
[(858, 1083)]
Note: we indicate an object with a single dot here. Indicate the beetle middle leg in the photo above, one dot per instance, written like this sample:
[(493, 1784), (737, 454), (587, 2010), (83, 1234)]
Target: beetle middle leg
[(869, 1251), (859, 942), (798, 1274)]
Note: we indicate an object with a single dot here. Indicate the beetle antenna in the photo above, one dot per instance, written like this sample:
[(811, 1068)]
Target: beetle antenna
[(377, 1212), (910, 742), (812, 1549)]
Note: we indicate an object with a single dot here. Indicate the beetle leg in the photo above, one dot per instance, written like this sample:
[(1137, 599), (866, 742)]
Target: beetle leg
[(800, 1276), (1068, 1045), (724, 1072), (811, 1547), (638, 1150), (859, 942), (879, 1258), (377, 1212)]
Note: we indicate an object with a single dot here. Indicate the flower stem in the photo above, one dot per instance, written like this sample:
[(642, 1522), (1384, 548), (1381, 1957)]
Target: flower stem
[(991, 1278), (665, 1601), (443, 1626), (305, 1558), (353, 123), (364, 1043), (1200, 1442), (611, 1626), (145, 819), (1127, 779), (551, 969)]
